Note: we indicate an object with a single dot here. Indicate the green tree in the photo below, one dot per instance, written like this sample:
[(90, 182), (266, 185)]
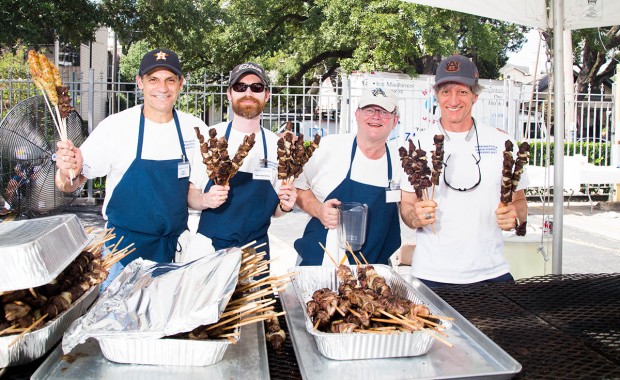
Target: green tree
[(13, 64), (596, 52), (300, 39), (39, 22)]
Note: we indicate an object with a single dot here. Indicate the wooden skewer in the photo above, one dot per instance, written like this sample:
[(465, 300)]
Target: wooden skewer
[(438, 338), (10, 328), (344, 258), (353, 254), (316, 325), (363, 258), (249, 244), (354, 312), (328, 254), (372, 331), (32, 326), (339, 310)]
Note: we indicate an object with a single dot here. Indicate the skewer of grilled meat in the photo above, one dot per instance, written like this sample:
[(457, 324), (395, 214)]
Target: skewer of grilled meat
[(506, 187)]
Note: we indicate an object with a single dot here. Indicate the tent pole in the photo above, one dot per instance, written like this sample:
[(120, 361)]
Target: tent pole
[(558, 134)]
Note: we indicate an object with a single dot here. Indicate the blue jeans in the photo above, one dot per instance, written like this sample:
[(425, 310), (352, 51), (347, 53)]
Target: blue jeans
[(507, 277)]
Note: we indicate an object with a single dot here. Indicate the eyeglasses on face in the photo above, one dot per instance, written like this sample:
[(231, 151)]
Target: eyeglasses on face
[(254, 87), (370, 111)]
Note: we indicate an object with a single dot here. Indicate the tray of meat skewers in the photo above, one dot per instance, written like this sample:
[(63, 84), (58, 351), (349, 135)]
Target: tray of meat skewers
[(365, 312), (59, 276)]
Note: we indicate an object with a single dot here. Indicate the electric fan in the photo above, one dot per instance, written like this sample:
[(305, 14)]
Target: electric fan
[(27, 157)]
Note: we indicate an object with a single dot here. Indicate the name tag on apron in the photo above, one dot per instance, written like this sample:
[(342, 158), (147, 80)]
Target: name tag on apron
[(264, 174), (267, 171), (392, 193), (183, 170)]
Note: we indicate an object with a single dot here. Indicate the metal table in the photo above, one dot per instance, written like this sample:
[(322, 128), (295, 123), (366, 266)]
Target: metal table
[(555, 326), (245, 360)]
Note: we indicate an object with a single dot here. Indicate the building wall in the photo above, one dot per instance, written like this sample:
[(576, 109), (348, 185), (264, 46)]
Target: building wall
[(95, 56)]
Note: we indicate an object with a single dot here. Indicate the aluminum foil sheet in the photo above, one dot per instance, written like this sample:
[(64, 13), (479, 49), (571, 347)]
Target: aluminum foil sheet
[(176, 352), (360, 345), (35, 344), (33, 252), (153, 300)]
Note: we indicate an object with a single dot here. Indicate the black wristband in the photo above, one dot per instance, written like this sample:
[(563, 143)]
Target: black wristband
[(282, 208)]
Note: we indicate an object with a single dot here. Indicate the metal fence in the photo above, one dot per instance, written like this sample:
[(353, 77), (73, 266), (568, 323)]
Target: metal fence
[(523, 111)]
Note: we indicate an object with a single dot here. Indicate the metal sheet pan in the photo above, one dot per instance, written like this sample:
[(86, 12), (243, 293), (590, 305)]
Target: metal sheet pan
[(474, 355), (359, 345), (35, 344), (33, 252), (245, 360)]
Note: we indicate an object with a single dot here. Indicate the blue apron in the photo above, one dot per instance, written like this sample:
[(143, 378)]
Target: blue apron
[(246, 214), (149, 205), (383, 236)]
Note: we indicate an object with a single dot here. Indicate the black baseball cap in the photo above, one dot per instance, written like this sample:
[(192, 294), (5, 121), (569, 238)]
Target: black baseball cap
[(160, 58), (248, 68), (456, 68)]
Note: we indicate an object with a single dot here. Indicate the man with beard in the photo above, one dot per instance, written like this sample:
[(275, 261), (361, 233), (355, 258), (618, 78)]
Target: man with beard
[(240, 212)]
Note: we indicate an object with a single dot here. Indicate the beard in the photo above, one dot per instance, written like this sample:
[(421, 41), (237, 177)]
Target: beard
[(248, 111)]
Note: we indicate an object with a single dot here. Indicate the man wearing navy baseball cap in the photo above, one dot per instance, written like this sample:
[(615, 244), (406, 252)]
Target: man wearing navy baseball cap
[(144, 152), (459, 232)]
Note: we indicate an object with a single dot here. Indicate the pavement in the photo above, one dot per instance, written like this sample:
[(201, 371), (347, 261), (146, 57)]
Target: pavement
[(591, 240)]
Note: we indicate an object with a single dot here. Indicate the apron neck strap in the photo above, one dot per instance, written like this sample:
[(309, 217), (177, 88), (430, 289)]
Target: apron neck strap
[(389, 161), (141, 133)]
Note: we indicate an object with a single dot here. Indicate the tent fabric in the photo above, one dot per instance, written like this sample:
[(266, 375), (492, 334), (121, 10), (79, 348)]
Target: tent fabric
[(578, 14)]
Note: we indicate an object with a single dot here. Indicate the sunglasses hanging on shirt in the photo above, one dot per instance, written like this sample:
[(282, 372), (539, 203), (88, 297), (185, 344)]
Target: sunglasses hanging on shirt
[(476, 160)]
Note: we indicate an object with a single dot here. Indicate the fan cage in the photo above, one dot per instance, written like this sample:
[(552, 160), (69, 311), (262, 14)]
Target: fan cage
[(28, 139)]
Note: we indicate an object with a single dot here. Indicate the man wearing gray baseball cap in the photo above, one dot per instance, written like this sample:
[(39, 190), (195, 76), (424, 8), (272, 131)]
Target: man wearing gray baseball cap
[(459, 236), (354, 167)]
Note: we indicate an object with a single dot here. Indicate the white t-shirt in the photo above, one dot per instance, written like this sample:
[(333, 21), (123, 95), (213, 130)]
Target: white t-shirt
[(111, 147), (200, 177), (468, 244), (328, 167)]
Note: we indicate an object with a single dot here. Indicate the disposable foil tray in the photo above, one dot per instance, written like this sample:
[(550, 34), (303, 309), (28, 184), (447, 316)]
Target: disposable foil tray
[(360, 345), (35, 344), (34, 252), (174, 352)]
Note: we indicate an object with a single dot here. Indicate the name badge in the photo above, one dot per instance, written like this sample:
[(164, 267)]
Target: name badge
[(264, 174), (183, 170), (392, 193)]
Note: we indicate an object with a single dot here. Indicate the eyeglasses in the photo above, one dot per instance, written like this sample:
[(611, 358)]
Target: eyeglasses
[(254, 87), (369, 111), (463, 189)]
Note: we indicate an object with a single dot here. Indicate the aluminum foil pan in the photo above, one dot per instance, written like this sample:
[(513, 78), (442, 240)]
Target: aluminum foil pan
[(35, 344), (33, 252), (175, 352), (360, 345)]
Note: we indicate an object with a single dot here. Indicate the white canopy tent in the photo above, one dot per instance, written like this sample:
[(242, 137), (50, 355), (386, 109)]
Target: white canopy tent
[(563, 15)]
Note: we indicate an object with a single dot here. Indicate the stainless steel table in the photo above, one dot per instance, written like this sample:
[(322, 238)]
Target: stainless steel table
[(245, 360)]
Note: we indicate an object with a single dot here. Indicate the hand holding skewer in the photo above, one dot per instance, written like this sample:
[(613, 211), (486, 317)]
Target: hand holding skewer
[(425, 212), (69, 159), (505, 216), (288, 197), (215, 197)]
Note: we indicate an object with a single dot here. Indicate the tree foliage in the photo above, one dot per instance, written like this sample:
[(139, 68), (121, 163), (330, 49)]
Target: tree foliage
[(298, 39), (597, 53), (39, 22)]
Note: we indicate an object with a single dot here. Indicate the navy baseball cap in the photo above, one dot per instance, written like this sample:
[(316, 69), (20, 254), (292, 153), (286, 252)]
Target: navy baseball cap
[(456, 68), (248, 68), (160, 58)]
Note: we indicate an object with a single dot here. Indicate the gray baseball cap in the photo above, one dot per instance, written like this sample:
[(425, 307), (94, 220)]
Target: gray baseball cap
[(247, 68), (456, 68)]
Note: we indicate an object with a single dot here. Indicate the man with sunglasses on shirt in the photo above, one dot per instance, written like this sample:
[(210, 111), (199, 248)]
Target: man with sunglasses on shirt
[(240, 212), (459, 233), (354, 167), (144, 154)]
